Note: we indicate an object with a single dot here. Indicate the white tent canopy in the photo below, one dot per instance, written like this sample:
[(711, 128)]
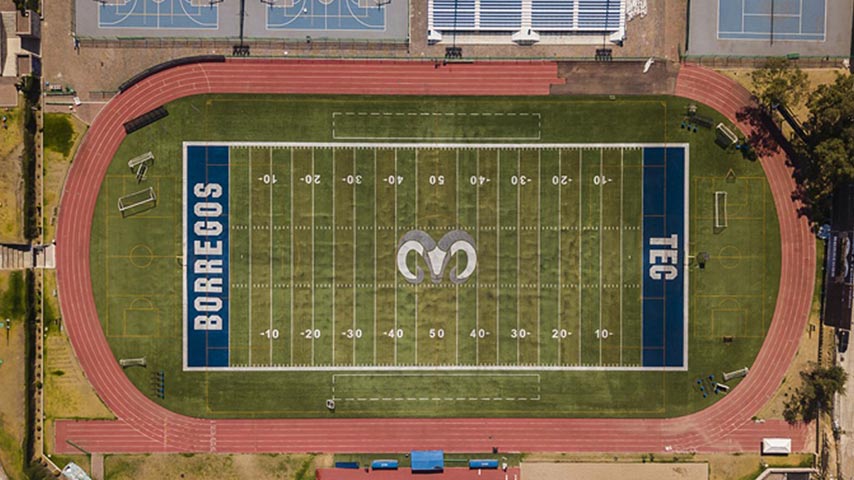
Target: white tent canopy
[(776, 446)]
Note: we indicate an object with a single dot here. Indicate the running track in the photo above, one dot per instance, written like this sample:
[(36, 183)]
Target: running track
[(144, 426)]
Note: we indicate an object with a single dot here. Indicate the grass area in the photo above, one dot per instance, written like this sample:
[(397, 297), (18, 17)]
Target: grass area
[(137, 275), (197, 467), (59, 134), (12, 380), (62, 136), (11, 201)]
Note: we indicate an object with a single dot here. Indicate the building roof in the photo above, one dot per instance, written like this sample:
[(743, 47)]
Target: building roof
[(8, 92)]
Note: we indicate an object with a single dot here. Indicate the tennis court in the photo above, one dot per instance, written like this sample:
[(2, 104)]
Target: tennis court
[(799, 20)]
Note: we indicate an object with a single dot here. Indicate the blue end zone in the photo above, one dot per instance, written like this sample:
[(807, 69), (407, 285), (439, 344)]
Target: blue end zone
[(165, 14), (206, 255), (663, 257), (326, 15)]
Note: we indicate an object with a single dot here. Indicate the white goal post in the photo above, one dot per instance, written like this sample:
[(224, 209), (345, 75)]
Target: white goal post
[(136, 199), (720, 210)]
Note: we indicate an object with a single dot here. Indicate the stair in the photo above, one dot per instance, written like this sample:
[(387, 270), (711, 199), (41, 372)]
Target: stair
[(16, 257)]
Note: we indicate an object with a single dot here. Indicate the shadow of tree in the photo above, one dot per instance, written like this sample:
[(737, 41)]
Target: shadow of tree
[(768, 140)]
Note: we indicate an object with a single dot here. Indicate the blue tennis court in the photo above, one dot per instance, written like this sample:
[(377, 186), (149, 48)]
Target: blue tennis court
[(802, 20), (326, 15), (159, 14)]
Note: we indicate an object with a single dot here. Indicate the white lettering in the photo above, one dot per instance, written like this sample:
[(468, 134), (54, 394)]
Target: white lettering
[(207, 229), (205, 190), (208, 285), (208, 266), (663, 261), (207, 322), (207, 248)]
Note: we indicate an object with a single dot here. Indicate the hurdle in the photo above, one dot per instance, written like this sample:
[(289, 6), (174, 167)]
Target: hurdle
[(736, 374), (725, 138), (132, 362), (140, 165)]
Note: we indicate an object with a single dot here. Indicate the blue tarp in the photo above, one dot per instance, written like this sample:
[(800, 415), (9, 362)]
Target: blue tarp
[(483, 463), (384, 465), (428, 460)]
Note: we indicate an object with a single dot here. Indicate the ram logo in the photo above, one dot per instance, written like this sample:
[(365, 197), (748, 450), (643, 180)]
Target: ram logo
[(436, 255)]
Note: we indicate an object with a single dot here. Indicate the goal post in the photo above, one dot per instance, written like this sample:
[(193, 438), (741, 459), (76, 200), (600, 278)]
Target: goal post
[(132, 203), (720, 210)]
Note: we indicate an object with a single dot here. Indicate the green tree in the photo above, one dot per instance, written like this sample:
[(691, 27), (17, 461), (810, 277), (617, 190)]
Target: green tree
[(780, 81), (829, 152), (820, 384)]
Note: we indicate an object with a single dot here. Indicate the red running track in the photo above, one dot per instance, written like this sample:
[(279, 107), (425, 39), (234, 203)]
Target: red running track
[(144, 426)]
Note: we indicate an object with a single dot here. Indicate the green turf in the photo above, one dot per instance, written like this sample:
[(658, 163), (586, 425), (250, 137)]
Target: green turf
[(58, 133), (313, 274), (137, 271)]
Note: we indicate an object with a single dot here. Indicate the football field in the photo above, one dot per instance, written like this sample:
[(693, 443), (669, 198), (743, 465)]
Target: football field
[(436, 256)]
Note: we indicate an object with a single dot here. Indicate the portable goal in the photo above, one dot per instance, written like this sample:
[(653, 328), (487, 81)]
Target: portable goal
[(720, 211)]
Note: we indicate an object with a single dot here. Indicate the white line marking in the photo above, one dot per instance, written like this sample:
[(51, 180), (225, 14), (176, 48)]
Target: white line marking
[(601, 208), (396, 236), (291, 338), (313, 256), (416, 286), (559, 251), (376, 292), (477, 272), (271, 257), (333, 180), (580, 225), (497, 257), (539, 248), (622, 187), (518, 255), (250, 257), (457, 289), (354, 256)]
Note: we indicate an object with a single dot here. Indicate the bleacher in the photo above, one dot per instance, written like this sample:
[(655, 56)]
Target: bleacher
[(605, 17)]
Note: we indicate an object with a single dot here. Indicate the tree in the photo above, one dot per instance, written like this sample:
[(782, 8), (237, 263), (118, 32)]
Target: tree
[(780, 81), (829, 150), (820, 384)]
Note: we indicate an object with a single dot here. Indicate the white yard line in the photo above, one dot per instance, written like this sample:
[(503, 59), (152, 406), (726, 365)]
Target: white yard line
[(376, 293), (601, 234), (518, 256), (416, 286), (313, 257), (272, 280), (580, 229), (497, 257), (559, 248), (396, 236), (539, 248), (250, 257), (334, 280), (622, 187), (477, 273), (291, 337), (456, 285), (354, 257)]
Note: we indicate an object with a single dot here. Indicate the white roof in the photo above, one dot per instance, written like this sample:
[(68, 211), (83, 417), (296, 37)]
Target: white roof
[(776, 446)]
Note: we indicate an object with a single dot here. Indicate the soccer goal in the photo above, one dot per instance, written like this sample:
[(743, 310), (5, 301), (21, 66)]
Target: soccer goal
[(720, 211), (137, 202)]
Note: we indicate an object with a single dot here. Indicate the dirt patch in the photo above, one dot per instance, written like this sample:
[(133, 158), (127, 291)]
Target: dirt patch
[(603, 471), (56, 167), (617, 78), (191, 467), (11, 180), (68, 394), (721, 466), (12, 391)]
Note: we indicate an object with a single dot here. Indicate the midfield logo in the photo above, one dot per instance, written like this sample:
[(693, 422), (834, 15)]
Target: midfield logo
[(436, 255)]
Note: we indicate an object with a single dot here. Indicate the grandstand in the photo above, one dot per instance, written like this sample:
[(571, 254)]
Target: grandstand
[(526, 21)]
